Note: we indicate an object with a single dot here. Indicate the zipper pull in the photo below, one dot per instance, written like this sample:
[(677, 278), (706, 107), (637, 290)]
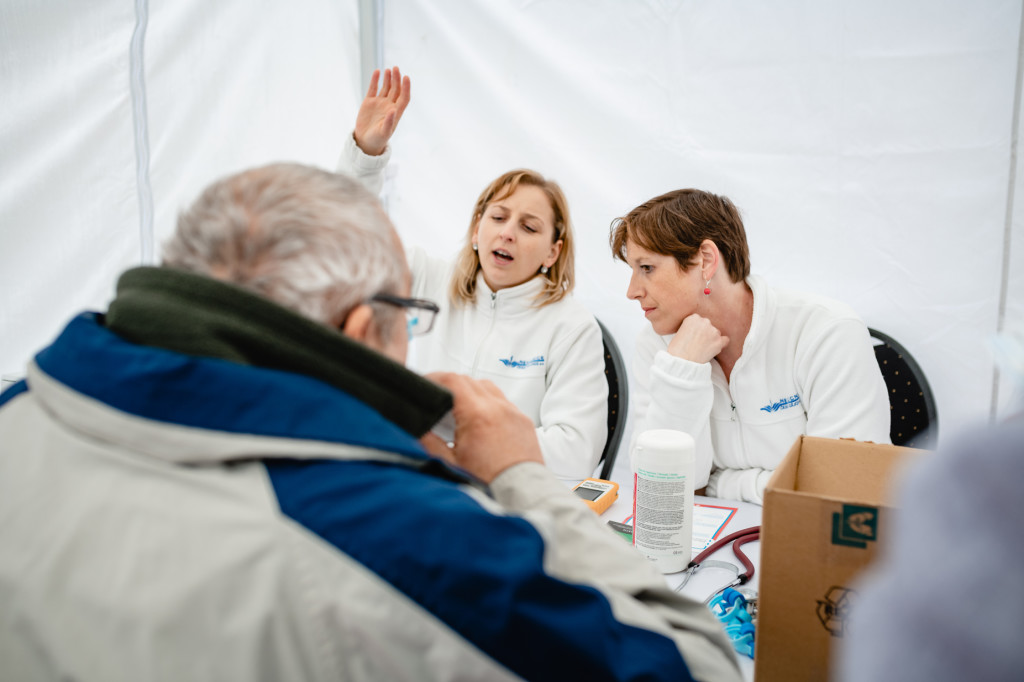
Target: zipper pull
[(733, 417), (494, 299)]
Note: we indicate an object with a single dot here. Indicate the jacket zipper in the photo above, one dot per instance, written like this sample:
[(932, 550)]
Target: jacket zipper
[(490, 329)]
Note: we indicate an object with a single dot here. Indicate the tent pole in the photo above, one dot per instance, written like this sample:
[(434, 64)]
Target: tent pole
[(1008, 225), (371, 49), (140, 119)]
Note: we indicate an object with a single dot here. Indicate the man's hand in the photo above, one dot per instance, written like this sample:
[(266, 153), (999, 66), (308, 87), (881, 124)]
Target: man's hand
[(380, 111), (491, 434), (697, 340)]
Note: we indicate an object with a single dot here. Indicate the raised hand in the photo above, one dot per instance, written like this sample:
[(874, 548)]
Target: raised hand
[(380, 111)]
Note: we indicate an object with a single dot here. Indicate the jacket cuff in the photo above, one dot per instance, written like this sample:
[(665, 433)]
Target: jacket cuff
[(361, 162), (680, 369), (712, 486), (526, 486)]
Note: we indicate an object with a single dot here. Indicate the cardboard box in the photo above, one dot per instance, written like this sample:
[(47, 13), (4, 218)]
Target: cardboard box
[(824, 511)]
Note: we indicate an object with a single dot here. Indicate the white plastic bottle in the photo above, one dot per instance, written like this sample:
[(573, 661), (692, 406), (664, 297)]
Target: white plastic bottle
[(663, 470)]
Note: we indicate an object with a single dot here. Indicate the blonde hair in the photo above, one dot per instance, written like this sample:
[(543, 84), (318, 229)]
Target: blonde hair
[(559, 279)]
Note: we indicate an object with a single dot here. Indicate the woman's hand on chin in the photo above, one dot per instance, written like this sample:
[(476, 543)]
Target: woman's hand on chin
[(697, 340)]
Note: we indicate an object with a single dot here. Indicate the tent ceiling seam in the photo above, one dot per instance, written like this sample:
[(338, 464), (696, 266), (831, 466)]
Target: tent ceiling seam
[(371, 57), (140, 118)]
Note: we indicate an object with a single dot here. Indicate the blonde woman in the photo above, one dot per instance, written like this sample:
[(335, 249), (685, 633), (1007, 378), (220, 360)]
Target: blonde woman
[(506, 310)]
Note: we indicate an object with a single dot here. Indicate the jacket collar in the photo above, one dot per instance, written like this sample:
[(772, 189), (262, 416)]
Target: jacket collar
[(521, 297), (199, 316), (762, 314)]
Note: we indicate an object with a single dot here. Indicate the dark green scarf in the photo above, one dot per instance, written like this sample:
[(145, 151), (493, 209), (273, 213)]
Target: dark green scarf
[(196, 315)]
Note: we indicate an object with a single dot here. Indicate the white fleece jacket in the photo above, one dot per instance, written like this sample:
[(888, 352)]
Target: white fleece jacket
[(807, 368)]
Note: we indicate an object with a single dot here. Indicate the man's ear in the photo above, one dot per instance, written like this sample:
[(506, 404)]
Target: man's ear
[(359, 324)]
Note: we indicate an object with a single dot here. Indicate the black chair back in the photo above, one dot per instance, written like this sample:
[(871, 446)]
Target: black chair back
[(914, 421), (618, 400)]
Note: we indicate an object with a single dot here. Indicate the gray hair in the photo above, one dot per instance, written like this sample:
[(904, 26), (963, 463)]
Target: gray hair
[(315, 242)]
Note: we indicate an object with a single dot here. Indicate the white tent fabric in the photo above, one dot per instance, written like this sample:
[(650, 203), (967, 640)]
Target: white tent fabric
[(870, 145), (224, 86)]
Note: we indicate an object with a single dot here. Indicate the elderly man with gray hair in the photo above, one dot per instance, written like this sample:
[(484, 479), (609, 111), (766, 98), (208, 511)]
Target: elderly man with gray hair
[(230, 475)]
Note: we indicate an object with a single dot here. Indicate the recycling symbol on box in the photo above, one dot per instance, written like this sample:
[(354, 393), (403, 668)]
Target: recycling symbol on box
[(834, 609)]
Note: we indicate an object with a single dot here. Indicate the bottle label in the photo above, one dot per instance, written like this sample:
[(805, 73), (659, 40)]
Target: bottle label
[(660, 512)]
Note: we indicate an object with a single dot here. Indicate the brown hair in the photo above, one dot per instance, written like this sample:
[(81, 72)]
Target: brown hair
[(560, 278), (676, 223)]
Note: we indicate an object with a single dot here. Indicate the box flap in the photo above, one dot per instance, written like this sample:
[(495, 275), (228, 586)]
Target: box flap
[(784, 476), (844, 469)]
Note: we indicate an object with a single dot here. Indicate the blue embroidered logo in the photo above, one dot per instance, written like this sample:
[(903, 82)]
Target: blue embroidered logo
[(783, 404), (510, 361)]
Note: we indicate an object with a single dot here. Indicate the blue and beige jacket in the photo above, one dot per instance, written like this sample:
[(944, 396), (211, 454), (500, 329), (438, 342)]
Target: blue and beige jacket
[(177, 515)]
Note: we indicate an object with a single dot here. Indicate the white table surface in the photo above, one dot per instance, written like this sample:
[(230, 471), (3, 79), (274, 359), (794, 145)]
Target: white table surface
[(706, 581)]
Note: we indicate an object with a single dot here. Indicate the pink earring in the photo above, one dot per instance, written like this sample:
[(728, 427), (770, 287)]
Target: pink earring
[(707, 288)]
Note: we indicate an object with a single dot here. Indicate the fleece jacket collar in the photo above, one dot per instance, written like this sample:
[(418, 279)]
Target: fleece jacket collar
[(199, 316)]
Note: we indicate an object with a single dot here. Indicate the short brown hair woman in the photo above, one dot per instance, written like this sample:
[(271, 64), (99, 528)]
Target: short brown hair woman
[(743, 367)]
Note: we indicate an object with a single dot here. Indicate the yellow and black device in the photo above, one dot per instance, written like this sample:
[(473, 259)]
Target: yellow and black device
[(597, 493)]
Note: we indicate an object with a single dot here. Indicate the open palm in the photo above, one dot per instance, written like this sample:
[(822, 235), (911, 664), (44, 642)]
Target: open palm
[(380, 111)]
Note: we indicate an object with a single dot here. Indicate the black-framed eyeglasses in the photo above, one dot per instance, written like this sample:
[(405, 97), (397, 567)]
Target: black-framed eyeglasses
[(419, 312)]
